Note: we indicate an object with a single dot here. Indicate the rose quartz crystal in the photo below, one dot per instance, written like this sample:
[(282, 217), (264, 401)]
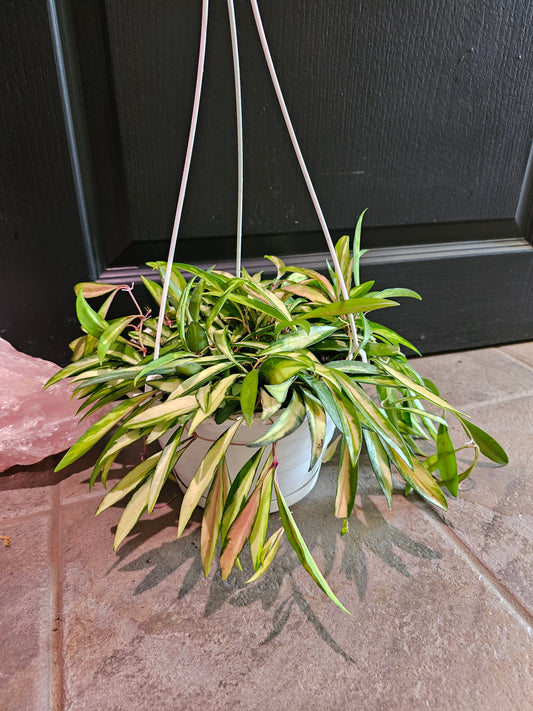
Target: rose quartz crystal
[(34, 423)]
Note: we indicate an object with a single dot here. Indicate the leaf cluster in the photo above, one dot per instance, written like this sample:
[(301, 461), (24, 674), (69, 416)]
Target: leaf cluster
[(238, 347)]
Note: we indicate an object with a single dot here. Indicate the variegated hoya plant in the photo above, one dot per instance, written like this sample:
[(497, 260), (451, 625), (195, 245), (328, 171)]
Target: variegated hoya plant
[(285, 346)]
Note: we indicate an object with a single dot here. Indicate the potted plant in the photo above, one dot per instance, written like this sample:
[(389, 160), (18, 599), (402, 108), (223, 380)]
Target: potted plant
[(246, 363), (237, 351)]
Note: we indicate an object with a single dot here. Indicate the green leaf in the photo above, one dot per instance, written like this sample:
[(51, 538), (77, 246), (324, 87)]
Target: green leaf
[(239, 490), (212, 518), (80, 366), (129, 482), (350, 306), (280, 391), (420, 480), (357, 248), (249, 395), (132, 513), (204, 475), (268, 554), (395, 293), (330, 451), (288, 422), (350, 426), (300, 339), (297, 542), (100, 428), (276, 370), (269, 404), (308, 292), (195, 301), (167, 462), (353, 367), (196, 337), (110, 335), (163, 412), (487, 444), (417, 388), (316, 417), (92, 322), (446, 460), (154, 289), (373, 417), (215, 399), (346, 483), (119, 441), (199, 379), (379, 461), (238, 533), (260, 527), (392, 336)]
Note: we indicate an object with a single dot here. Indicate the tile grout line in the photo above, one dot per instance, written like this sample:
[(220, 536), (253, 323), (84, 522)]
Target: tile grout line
[(490, 579), (56, 604), (496, 401), (516, 359)]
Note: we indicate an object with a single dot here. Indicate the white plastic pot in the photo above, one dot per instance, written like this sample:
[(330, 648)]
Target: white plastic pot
[(293, 454)]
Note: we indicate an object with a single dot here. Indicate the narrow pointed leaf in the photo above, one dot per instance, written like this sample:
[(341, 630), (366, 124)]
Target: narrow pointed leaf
[(447, 460), (216, 396), (212, 519), (239, 490), (379, 461), (300, 339), (420, 480), (346, 484), (330, 451), (165, 411), (199, 379), (269, 404), (238, 533), (110, 335), (417, 388), (350, 306), (304, 556), (268, 554), (79, 366), (204, 475), (316, 418), (249, 395), (132, 513), (287, 422), (100, 428), (166, 463), (128, 483), (487, 444), (281, 390), (259, 529), (91, 321)]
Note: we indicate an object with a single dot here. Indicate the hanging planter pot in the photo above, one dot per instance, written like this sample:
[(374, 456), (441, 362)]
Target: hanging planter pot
[(295, 475)]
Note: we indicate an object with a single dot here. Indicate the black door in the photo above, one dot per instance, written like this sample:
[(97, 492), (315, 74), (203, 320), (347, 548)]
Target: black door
[(420, 112)]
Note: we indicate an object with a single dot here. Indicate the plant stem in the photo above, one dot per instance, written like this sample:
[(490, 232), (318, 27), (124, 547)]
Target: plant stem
[(185, 175), (296, 147), (238, 114)]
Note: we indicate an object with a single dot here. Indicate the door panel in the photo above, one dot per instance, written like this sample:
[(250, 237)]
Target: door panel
[(421, 113)]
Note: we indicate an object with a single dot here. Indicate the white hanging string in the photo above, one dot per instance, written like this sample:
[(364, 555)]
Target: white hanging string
[(238, 109), (305, 172), (185, 175)]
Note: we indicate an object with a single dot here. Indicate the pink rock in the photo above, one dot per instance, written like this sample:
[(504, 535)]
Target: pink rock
[(34, 423)]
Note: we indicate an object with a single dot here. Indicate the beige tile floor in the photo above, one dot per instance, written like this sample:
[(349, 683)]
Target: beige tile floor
[(442, 603)]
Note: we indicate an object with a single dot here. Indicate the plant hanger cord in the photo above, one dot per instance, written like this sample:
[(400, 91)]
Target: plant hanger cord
[(305, 172), (238, 114), (185, 175)]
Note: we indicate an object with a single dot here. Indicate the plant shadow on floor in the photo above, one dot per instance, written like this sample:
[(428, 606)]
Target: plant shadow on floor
[(369, 530)]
